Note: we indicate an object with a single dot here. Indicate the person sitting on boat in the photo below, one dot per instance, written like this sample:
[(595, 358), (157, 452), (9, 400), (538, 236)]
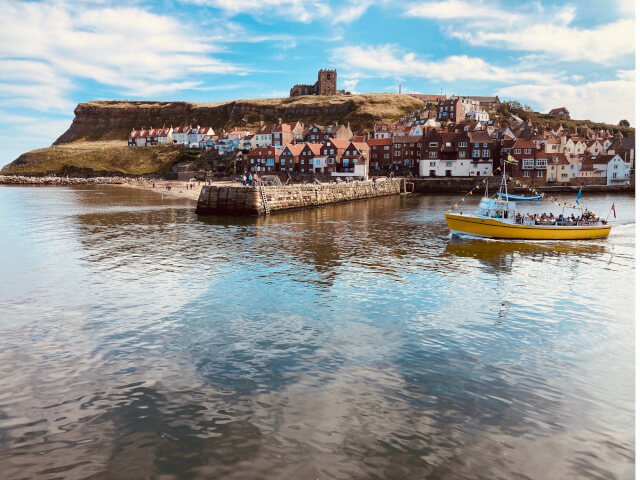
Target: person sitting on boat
[(560, 220), (518, 218)]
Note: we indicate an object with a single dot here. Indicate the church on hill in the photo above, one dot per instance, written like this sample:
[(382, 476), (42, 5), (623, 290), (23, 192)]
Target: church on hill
[(326, 85)]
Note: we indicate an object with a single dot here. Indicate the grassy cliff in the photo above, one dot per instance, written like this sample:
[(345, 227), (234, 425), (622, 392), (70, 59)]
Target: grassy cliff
[(113, 120), (95, 143), (93, 158)]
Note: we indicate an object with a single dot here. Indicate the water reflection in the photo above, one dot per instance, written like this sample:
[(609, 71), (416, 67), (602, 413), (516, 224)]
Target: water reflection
[(351, 341), (500, 255)]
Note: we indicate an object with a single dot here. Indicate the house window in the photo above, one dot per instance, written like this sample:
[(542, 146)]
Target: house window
[(462, 144), (541, 163), (396, 154), (433, 154), (476, 145), (386, 147), (475, 153), (449, 164), (448, 144), (432, 164), (433, 144), (527, 163), (517, 150), (525, 174), (540, 173), (485, 153), (564, 175), (527, 150)]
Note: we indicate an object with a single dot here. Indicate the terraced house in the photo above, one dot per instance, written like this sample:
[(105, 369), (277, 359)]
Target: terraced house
[(264, 159), (308, 156), (380, 156), (445, 154), (354, 162)]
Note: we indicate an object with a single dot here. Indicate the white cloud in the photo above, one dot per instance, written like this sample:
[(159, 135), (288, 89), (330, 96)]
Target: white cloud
[(391, 61), (603, 101), (533, 28), (351, 85), (45, 46), (305, 11), (291, 10), (457, 9)]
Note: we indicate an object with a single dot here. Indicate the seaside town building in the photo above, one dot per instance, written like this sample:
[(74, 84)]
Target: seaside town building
[(458, 138)]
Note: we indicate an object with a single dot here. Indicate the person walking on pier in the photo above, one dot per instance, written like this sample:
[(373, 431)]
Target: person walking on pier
[(250, 180)]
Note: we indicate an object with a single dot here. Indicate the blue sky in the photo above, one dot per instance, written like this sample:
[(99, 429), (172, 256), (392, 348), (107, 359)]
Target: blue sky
[(55, 54)]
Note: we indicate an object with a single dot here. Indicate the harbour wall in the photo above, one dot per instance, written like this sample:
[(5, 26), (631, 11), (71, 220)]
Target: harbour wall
[(463, 185), (237, 200)]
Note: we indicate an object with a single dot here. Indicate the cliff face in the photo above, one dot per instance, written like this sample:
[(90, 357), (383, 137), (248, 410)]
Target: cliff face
[(113, 120)]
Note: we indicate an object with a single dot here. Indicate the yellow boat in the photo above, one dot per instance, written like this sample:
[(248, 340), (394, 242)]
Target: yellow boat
[(497, 218)]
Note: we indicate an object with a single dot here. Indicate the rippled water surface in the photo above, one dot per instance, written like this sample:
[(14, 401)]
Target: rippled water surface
[(354, 341)]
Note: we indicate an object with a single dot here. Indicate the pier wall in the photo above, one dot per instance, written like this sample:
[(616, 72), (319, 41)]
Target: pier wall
[(451, 184), (236, 200)]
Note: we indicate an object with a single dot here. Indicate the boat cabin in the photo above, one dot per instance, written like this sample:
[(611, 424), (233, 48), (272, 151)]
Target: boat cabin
[(502, 210)]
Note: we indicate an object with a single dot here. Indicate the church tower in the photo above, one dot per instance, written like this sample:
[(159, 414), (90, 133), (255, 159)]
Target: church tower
[(327, 82)]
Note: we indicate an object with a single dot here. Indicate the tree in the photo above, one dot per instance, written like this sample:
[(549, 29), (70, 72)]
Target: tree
[(624, 123)]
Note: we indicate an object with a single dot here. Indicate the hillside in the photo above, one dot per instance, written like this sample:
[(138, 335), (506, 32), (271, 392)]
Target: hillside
[(93, 158), (113, 120)]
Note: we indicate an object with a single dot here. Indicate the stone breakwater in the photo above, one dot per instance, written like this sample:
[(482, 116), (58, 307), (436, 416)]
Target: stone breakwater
[(22, 180), (234, 200)]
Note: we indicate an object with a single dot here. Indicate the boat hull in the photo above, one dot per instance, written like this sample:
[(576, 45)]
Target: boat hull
[(490, 228)]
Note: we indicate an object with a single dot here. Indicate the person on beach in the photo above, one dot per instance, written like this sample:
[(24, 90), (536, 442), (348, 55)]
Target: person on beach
[(250, 179), (255, 179), (244, 180)]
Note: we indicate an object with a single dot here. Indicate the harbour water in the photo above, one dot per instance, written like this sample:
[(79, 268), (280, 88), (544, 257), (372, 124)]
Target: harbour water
[(138, 340)]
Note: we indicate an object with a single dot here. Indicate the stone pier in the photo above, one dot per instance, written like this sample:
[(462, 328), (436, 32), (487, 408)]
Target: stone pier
[(238, 200)]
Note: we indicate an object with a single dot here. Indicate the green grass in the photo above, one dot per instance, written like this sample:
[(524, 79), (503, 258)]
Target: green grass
[(102, 160)]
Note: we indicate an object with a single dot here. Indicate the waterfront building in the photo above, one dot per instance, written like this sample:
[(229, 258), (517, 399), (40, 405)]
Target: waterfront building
[(290, 157), (380, 153), (406, 151), (332, 150), (445, 154), (310, 152), (559, 169), (354, 162), (263, 159)]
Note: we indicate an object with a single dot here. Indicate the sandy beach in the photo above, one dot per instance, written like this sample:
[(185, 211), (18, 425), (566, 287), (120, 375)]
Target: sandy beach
[(178, 189)]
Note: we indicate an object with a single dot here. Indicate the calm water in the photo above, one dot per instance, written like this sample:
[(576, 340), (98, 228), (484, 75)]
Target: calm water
[(356, 341)]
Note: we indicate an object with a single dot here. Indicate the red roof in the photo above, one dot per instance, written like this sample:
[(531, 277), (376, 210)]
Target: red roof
[(372, 142)]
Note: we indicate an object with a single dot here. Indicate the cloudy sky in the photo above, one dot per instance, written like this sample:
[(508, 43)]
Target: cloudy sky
[(55, 54)]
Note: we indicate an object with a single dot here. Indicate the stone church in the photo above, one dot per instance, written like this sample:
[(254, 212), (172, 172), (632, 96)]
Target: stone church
[(326, 85)]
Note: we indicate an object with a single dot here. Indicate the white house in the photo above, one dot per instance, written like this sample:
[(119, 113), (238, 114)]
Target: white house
[(478, 114), (165, 136), (618, 171), (181, 135)]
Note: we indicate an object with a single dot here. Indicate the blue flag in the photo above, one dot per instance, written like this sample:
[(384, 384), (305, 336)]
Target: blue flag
[(579, 195)]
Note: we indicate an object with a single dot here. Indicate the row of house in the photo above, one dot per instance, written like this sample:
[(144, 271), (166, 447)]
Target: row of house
[(337, 157), (426, 142)]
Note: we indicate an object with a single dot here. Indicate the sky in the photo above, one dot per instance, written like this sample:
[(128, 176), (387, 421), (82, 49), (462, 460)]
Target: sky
[(56, 54)]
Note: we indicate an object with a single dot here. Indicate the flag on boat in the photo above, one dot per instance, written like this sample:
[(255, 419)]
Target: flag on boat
[(613, 207), (510, 160), (579, 195)]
